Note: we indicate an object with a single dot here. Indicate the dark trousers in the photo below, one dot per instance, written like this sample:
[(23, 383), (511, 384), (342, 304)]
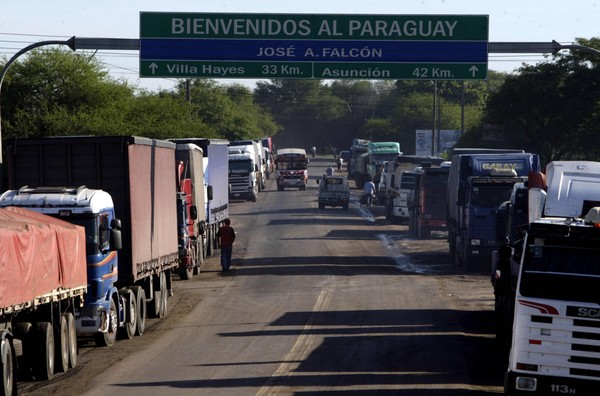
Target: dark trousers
[(226, 257)]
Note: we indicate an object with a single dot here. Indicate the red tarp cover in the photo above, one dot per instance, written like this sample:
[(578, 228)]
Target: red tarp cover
[(38, 254)]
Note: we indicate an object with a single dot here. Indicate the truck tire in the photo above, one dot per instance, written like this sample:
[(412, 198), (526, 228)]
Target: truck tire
[(8, 365), (108, 338), (61, 352), (43, 363), (199, 255), (163, 294), (23, 331), (210, 241), (186, 273), (154, 304), (72, 332), (423, 232), (127, 331), (140, 299)]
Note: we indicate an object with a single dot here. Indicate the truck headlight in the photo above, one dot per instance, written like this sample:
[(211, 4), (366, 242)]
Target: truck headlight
[(475, 242), (526, 383)]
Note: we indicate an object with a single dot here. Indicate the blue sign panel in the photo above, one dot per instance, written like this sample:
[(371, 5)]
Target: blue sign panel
[(314, 51)]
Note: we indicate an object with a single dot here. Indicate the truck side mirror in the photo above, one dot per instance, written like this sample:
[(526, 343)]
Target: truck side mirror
[(209, 192), (115, 224), (116, 240), (193, 212)]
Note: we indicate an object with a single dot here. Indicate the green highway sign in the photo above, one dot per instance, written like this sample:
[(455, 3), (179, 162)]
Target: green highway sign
[(306, 70), (188, 45)]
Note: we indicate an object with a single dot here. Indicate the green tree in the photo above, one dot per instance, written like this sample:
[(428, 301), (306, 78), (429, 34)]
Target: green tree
[(551, 109), (50, 87), (229, 111)]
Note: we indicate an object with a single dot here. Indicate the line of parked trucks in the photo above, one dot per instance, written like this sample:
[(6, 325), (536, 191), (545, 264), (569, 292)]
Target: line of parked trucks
[(541, 234), (92, 229)]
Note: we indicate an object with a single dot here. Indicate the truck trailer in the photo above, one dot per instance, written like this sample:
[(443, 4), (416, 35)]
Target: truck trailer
[(137, 175), (42, 283)]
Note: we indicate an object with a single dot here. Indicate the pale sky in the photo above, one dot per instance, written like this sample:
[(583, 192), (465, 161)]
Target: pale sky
[(23, 22)]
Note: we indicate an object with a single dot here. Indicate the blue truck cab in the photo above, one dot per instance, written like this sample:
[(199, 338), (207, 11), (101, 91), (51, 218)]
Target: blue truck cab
[(94, 210), (477, 185)]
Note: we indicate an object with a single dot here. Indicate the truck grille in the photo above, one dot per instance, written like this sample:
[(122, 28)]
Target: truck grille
[(560, 345), (239, 184)]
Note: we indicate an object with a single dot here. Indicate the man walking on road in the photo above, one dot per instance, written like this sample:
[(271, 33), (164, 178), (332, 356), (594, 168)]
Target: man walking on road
[(226, 235)]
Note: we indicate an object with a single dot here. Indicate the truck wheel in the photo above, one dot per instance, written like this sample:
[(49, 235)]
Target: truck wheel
[(43, 362), (451, 245), (209, 242), (23, 331), (108, 338), (154, 305), (200, 256), (163, 294), (72, 332), (424, 232), (61, 337), (253, 198), (186, 273), (464, 261), (140, 300), (128, 330), (8, 365)]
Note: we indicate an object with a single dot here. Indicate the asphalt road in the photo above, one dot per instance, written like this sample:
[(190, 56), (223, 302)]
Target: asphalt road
[(317, 302)]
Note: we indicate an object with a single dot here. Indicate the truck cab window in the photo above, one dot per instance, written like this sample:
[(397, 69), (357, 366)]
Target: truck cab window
[(104, 231)]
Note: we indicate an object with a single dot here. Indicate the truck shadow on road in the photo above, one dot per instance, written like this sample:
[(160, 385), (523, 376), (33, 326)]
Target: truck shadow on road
[(377, 352)]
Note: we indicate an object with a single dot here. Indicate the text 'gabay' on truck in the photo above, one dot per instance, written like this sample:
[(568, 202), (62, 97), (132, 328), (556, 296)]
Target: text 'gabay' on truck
[(291, 165), (42, 283), (138, 175), (477, 185), (555, 341)]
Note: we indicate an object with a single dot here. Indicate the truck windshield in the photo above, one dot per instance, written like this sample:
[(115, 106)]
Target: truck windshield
[(407, 182), (563, 272), (490, 196), (240, 166), (92, 232), (433, 180), (291, 165), (379, 159)]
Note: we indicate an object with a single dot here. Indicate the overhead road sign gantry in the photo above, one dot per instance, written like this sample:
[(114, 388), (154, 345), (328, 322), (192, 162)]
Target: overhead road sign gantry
[(321, 46)]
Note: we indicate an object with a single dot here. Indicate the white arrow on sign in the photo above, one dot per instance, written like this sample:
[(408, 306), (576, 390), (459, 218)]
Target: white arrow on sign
[(473, 69), (153, 66)]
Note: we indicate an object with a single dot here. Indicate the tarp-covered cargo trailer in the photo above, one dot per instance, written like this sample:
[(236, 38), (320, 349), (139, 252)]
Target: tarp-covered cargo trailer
[(137, 172)]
